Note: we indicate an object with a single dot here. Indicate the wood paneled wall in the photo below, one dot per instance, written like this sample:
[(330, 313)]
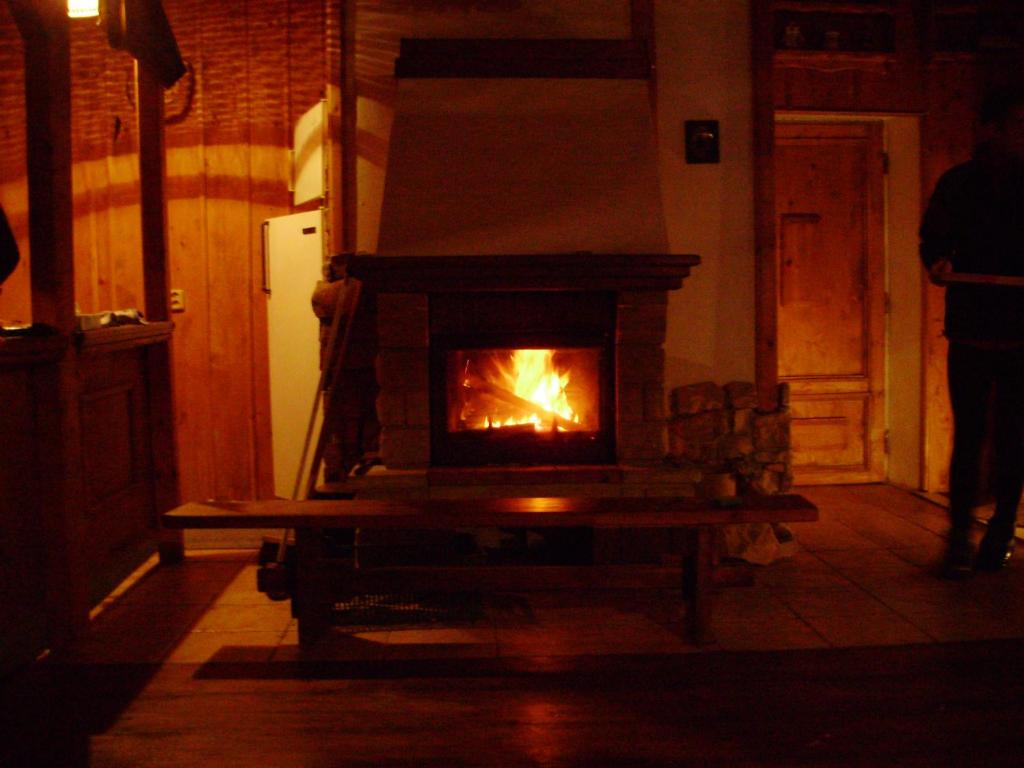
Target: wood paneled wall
[(256, 66), (105, 177)]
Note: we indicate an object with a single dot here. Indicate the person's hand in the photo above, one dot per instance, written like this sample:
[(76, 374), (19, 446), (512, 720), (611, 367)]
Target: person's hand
[(938, 271)]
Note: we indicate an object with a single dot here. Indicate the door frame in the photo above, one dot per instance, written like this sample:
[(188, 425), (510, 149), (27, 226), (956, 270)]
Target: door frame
[(904, 413)]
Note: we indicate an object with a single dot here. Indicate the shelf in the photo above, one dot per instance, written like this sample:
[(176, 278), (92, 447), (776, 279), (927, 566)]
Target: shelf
[(835, 61), (833, 33), (124, 336)]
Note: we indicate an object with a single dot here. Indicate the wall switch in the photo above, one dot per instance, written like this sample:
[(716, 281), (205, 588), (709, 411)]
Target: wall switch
[(177, 299), (702, 141)]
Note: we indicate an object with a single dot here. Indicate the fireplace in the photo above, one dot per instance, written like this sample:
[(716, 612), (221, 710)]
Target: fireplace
[(533, 360), (522, 379), (521, 274)]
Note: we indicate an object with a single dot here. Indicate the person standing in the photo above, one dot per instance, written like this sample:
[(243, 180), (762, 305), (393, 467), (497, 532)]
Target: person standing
[(974, 223), (8, 248)]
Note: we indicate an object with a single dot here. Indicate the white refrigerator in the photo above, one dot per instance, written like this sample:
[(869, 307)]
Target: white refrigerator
[(293, 258)]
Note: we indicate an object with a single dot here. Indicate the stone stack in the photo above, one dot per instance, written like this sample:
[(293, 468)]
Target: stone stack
[(720, 433)]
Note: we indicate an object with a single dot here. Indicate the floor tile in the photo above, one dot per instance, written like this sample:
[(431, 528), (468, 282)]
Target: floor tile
[(201, 647), (135, 633), (875, 628), (246, 618), (549, 641), (442, 643), (336, 645), (190, 582), (845, 601), (785, 631), (242, 589)]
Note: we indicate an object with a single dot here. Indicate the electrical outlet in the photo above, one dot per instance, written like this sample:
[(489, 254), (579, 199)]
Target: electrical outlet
[(177, 300)]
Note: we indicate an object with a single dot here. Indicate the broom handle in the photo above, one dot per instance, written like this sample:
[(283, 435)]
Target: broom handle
[(325, 370), (335, 387)]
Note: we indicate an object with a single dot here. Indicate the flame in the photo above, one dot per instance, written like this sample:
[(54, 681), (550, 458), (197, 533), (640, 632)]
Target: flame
[(530, 374), (533, 377)]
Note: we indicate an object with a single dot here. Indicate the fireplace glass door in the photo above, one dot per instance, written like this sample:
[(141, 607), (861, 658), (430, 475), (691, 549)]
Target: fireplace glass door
[(531, 404)]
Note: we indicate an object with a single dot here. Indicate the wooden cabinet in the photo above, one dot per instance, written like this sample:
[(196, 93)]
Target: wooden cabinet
[(86, 420), (845, 55), (970, 27), (847, 28), (834, 34)]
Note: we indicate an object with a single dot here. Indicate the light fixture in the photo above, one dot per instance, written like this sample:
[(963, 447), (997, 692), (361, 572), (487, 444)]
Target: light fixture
[(83, 9)]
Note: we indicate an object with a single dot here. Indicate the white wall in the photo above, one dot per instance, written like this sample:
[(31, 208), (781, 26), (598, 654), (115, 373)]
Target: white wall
[(384, 24), (704, 72), (903, 371)]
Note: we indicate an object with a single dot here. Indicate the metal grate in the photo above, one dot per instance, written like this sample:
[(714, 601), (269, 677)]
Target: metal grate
[(408, 609)]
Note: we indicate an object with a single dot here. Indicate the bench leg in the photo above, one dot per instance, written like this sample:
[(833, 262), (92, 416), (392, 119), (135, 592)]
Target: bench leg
[(311, 602), (171, 547), (697, 584)]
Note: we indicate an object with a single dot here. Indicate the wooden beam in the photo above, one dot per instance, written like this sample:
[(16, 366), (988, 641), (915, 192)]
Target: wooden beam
[(641, 25), (515, 272), (561, 58), (61, 498), (153, 201), (44, 27), (766, 364), (349, 189), (155, 274)]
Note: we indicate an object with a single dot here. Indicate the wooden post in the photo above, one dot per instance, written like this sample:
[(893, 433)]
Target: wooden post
[(159, 369), (766, 363), (641, 25), (153, 204), (335, 67), (45, 30), (698, 583), (61, 499), (312, 599), (349, 189)]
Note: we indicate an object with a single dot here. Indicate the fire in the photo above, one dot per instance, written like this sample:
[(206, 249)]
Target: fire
[(533, 377), (528, 383)]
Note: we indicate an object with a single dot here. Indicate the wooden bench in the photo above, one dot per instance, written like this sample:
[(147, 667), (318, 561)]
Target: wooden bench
[(318, 578)]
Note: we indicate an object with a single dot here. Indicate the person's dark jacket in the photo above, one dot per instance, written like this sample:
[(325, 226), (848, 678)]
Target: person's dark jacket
[(975, 218), (8, 249)]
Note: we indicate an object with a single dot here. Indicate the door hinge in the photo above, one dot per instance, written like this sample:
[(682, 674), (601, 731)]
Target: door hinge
[(888, 303), (885, 442), (885, 163)]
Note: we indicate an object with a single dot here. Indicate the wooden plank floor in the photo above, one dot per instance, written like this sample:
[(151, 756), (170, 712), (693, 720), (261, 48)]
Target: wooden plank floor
[(849, 653)]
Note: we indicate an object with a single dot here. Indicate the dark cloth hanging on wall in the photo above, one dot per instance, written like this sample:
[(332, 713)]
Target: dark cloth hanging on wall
[(141, 28), (8, 248)]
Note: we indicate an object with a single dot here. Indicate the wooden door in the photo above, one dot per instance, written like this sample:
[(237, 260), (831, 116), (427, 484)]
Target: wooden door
[(831, 297)]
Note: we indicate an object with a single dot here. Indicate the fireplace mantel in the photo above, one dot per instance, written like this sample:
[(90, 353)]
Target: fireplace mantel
[(581, 271)]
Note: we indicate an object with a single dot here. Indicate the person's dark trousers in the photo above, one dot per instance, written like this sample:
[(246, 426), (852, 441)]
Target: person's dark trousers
[(980, 377)]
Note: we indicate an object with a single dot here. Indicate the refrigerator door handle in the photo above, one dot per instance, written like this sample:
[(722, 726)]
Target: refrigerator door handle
[(265, 245)]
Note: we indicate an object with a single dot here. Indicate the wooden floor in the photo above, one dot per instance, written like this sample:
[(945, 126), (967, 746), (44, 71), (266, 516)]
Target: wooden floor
[(849, 653)]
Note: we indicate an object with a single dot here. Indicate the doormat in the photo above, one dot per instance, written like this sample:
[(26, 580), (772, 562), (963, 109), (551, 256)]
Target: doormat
[(394, 610)]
